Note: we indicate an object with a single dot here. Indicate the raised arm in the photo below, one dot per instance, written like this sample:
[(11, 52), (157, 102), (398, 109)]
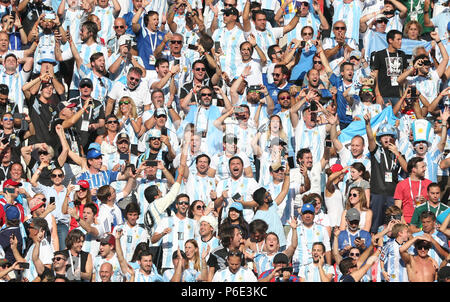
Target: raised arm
[(370, 138), (285, 188)]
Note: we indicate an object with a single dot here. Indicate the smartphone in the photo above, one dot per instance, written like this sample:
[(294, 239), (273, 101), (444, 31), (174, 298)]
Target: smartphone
[(5, 141), (68, 28), (283, 153), (302, 44), (164, 131), (52, 199), (177, 62), (413, 92), (392, 140), (236, 196), (192, 46), (10, 190), (50, 16), (358, 238), (76, 187), (151, 163), (217, 46), (24, 265), (124, 156)]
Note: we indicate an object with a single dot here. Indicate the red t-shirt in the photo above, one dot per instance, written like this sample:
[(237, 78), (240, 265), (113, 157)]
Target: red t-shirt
[(403, 192), (3, 203)]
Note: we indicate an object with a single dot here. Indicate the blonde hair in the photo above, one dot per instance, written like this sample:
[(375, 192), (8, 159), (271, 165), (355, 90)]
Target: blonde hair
[(408, 25), (133, 107), (197, 266), (282, 134)]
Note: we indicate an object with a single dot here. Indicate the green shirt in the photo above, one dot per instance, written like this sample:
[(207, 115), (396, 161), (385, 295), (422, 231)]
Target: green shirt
[(415, 12), (415, 220)]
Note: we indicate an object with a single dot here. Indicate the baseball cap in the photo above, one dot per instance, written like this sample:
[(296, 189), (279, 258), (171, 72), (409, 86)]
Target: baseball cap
[(95, 146), (35, 204), (83, 183), (211, 220), (231, 138), (66, 104), (123, 136), (280, 258), (352, 214), (232, 10), (154, 133), (381, 17), (307, 207), (336, 168), (108, 239), (93, 153), (276, 165), (123, 39), (85, 82), (160, 111), (356, 54), (11, 182), (12, 212), (237, 205)]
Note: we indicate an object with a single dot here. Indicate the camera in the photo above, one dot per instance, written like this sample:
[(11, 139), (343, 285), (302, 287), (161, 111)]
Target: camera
[(151, 163), (236, 196), (413, 92), (367, 81), (192, 46)]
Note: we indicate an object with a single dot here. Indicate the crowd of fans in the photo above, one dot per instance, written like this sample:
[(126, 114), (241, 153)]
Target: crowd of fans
[(224, 140)]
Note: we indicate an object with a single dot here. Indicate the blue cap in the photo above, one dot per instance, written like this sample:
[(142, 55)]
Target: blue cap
[(12, 212), (93, 153), (307, 207), (237, 205), (95, 146)]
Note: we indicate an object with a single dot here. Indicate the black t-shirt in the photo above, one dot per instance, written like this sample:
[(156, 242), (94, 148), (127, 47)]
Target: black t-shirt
[(378, 184), (218, 259), (31, 13), (388, 68), (41, 115)]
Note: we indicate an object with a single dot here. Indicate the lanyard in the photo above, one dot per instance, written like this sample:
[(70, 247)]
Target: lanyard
[(385, 161), (207, 117), (152, 42), (438, 208), (410, 189)]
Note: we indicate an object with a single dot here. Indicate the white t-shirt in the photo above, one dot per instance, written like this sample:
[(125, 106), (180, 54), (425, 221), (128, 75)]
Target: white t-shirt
[(140, 96)]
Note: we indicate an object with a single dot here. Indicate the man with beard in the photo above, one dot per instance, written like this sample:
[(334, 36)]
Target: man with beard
[(353, 236), (280, 82), (318, 270), (412, 191), (235, 188), (59, 265), (155, 152), (420, 267), (199, 186), (135, 88), (342, 84), (175, 231), (439, 243), (246, 51), (145, 273), (203, 116), (164, 77), (108, 254), (234, 272), (89, 46), (93, 117)]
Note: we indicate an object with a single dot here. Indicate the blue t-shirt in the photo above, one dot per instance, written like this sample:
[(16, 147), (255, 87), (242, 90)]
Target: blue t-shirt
[(341, 101), (147, 43), (345, 238), (304, 64)]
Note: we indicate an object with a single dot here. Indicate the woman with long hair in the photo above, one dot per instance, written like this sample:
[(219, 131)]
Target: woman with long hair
[(107, 141), (413, 30), (79, 199), (359, 177), (129, 121), (357, 199), (236, 216), (193, 254)]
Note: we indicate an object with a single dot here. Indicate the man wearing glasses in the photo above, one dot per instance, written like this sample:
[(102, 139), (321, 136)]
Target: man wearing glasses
[(120, 28), (172, 232), (348, 11), (134, 88), (420, 267), (353, 236)]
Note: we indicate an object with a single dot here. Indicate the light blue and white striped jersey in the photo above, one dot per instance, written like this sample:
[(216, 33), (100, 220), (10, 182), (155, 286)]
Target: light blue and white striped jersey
[(99, 179), (189, 275), (306, 238), (230, 41), (350, 13), (101, 85), (431, 159), (309, 20), (182, 230), (85, 51), (199, 188), (263, 262), (266, 38), (313, 139), (329, 43), (213, 243), (428, 85), (311, 272), (90, 244), (45, 255), (288, 129), (112, 159), (220, 163), (441, 240), (243, 144), (122, 71), (132, 236), (244, 186), (143, 204), (15, 83), (242, 275), (141, 277), (117, 275), (45, 48), (106, 15), (393, 262), (73, 20)]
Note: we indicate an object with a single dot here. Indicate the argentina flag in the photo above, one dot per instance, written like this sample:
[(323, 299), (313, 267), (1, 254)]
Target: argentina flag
[(379, 42), (359, 127)]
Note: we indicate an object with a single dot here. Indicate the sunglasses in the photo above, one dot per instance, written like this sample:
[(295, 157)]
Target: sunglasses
[(183, 203), (285, 98), (354, 222), (200, 69), (354, 254), (58, 259), (154, 138), (124, 102), (366, 90), (5, 119), (134, 79), (83, 86), (4, 266), (426, 63), (382, 21), (307, 34), (423, 248), (353, 195), (276, 75), (43, 153), (57, 175), (119, 26), (340, 28), (317, 62), (122, 142), (305, 4), (235, 253), (280, 51), (112, 122), (439, 121), (206, 94), (200, 207), (176, 42), (227, 14), (227, 5)]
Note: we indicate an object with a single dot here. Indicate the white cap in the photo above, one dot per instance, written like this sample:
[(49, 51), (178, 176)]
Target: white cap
[(211, 220), (123, 39)]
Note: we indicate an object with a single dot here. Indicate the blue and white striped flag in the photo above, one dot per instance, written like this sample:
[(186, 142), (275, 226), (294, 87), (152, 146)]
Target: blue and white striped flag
[(379, 42)]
